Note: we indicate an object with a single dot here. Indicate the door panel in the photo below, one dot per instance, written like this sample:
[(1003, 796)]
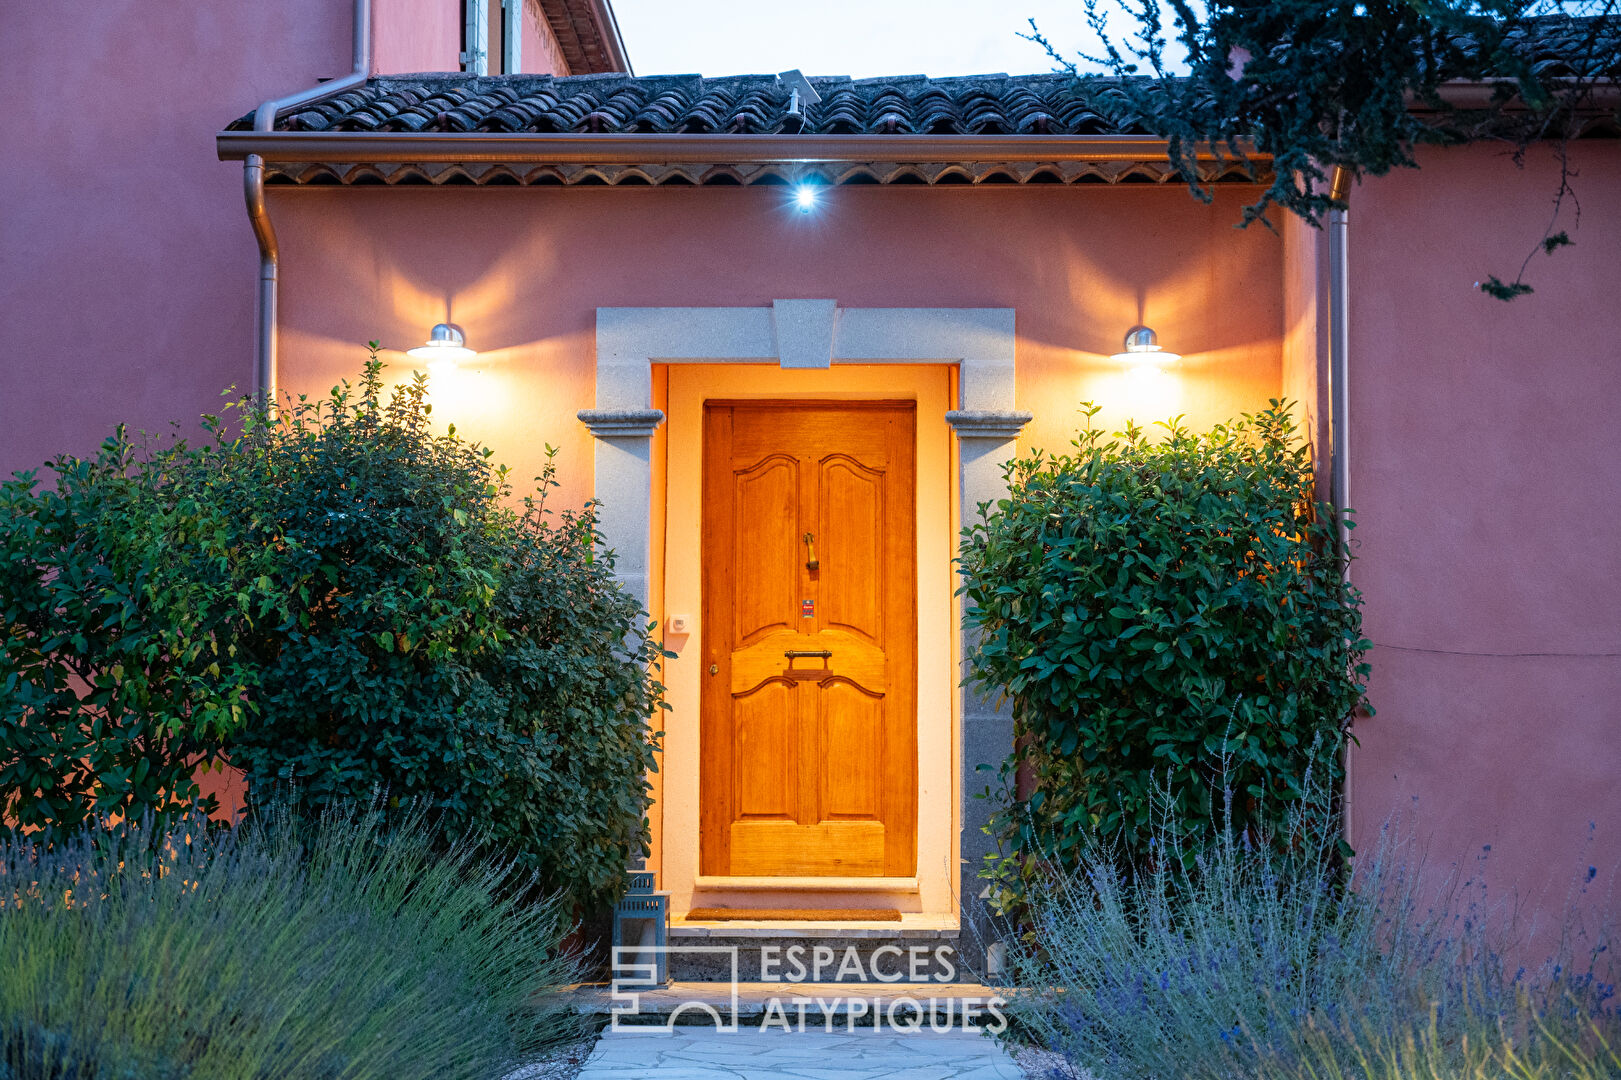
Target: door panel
[(766, 524), (851, 531), (809, 761), (764, 728), (839, 849), (851, 718)]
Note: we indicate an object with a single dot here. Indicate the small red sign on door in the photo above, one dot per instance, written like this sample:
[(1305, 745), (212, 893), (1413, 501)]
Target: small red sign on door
[(807, 609)]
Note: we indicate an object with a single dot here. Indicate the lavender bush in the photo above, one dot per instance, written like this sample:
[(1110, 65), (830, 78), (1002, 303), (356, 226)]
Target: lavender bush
[(280, 951), (1240, 962)]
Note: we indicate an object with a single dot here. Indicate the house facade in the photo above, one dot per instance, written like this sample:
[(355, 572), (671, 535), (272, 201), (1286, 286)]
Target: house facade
[(788, 331)]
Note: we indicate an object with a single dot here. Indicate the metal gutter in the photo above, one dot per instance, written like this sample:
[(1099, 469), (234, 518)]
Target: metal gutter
[(253, 191), (1603, 94), (661, 149)]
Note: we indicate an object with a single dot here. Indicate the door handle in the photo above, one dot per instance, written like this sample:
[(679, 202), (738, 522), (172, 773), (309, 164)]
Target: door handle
[(824, 655), (810, 552)]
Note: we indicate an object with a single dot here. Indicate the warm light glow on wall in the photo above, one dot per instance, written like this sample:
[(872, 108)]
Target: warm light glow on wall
[(1142, 383), (481, 398), (1142, 392)]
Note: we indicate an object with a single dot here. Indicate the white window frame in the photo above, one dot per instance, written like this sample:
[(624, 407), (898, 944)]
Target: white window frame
[(511, 36), (475, 59), (476, 32)]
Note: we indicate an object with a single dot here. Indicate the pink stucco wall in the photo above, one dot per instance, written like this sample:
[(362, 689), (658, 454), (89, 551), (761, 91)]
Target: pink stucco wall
[(1487, 483), (525, 269), (425, 35), (1305, 335), (1482, 436), (127, 267), (416, 35), (539, 51)]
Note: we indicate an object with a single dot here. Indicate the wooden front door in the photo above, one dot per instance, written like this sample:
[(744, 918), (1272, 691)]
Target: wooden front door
[(808, 733)]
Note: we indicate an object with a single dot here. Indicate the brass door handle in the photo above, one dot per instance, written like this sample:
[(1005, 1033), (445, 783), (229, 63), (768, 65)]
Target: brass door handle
[(793, 672), (810, 552)]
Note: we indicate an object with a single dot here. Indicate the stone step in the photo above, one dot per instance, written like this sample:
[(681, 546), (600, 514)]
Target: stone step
[(824, 955), (797, 1006)]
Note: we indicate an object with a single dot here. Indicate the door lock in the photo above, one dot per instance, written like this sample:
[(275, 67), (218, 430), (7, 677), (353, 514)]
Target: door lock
[(714, 669)]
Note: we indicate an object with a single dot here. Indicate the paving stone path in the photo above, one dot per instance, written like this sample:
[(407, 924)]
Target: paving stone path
[(702, 1053)]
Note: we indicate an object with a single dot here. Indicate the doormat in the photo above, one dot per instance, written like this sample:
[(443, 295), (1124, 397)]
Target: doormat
[(722, 914)]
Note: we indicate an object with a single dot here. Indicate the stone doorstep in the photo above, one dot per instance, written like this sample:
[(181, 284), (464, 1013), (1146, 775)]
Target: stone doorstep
[(938, 1002), (699, 958)]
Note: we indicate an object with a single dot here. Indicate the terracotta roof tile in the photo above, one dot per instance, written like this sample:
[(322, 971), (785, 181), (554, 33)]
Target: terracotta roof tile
[(747, 104), (1051, 104)]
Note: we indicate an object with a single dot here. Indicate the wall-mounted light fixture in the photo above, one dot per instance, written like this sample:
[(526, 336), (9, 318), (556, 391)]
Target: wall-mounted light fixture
[(1142, 346), (805, 196), (446, 344)]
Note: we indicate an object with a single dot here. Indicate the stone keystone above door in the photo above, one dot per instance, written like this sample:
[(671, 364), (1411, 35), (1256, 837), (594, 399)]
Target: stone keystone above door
[(804, 332)]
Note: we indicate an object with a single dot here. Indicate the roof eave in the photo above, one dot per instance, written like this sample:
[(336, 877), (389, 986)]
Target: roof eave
[(602, 26), (362, 147), (1602, 96), (613, 40)]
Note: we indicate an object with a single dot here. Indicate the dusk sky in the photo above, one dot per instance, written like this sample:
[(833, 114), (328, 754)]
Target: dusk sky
[(846, 37)]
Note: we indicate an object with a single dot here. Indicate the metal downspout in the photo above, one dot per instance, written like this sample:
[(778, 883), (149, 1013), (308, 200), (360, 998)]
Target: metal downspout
[(253, 191), (1339, 347), (1339, 410), (264, 350)]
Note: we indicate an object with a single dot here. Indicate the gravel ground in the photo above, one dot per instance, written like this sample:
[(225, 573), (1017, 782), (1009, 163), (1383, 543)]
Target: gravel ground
[(564, 1063), (1045, 1065)]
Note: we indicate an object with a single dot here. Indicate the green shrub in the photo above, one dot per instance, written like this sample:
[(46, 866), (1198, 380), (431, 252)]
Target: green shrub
[(1254, 958), (561, 712), (282, 950), (113, 684), (342, 601), (1161, 614), (437, 644)]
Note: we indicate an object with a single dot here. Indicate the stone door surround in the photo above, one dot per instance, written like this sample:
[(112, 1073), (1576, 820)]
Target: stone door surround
[(812, 333)]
